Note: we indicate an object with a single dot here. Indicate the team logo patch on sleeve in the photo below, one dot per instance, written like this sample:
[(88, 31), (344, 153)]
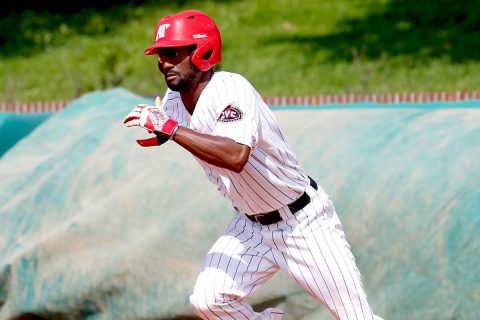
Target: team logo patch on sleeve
[(230, 114)]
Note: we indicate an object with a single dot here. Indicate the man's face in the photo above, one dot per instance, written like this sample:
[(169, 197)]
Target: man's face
[(176, 65)]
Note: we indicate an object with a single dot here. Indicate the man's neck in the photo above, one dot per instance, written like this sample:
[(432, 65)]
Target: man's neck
[(191, 95)]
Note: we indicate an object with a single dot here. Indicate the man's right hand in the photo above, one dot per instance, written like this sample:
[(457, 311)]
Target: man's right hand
[(155, 120)]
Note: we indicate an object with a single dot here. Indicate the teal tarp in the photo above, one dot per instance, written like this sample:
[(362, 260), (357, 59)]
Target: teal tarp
[(15, 126), (94, 227)]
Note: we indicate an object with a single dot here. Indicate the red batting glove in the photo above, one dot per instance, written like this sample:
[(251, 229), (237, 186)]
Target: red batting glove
[(155, 120)]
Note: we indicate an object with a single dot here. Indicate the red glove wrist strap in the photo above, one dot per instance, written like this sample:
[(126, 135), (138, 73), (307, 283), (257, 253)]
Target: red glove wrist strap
[(174, 131)]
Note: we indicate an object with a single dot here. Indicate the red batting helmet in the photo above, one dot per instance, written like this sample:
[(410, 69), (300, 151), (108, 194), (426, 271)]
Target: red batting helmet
[(187, 28)]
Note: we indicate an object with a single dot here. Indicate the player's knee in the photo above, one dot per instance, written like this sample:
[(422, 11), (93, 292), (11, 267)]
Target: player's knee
[(209, 304)]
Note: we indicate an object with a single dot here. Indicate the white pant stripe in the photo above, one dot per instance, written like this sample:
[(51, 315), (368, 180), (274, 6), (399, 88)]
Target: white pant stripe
[(207, 304), (301, 253), (327, 265), (340, 272), (319, 290), (355, 280), (289, 271)]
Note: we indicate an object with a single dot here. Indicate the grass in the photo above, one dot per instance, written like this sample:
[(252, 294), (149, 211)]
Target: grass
[(284, 47)]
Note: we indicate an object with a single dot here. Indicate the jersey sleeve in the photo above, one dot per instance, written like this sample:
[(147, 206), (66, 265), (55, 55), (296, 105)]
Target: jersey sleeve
[(238, 117)]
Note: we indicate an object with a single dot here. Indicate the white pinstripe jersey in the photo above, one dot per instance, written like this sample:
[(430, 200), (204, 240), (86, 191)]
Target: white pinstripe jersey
[(229, 106)]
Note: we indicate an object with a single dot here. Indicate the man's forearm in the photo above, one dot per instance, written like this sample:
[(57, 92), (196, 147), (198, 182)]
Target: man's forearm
[(218, 151)]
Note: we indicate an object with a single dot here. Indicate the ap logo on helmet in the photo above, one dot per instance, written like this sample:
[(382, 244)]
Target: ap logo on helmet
[(161, 31)]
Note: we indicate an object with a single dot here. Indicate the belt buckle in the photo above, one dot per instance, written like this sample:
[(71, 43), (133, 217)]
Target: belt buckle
[(259, 217)]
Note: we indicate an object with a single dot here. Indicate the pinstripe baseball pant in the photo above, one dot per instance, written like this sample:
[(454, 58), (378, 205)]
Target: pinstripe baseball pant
[(309, 246)]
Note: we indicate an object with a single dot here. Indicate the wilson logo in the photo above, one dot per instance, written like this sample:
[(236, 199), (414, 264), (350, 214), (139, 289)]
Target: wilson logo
[(230, 114), (199, 36), (161, 31)]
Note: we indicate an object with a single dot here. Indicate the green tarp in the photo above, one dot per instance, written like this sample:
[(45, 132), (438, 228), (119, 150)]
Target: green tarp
[(94, 227), (15, 126)]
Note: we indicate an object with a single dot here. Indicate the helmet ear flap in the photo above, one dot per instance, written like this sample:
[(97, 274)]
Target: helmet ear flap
[(206, 56)]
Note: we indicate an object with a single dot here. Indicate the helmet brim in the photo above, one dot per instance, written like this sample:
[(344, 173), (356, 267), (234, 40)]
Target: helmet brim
[(170, 44)]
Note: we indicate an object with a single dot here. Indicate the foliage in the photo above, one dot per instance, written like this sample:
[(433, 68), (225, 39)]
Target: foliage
[(284, 47)]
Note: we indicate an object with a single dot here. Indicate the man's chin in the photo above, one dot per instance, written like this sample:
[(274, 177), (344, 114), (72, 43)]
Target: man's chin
[(175, 85)]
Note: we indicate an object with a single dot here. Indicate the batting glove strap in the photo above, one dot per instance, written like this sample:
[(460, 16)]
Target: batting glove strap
[(174, 131), (153, 142), (168, 127)]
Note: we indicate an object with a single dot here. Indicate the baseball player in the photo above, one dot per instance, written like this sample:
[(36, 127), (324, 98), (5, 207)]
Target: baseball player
[(282, 218)]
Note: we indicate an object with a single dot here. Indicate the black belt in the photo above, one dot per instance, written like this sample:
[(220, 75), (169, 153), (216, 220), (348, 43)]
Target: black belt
[(274, 216)]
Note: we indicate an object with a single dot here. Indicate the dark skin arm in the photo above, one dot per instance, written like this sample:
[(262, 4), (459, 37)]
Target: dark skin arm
[(218, 151)]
